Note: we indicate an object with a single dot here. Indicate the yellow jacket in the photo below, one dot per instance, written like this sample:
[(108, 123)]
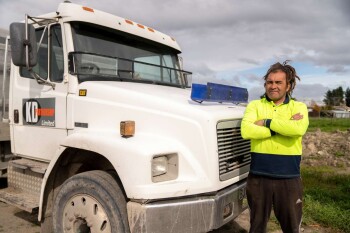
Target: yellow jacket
[(276, 148)]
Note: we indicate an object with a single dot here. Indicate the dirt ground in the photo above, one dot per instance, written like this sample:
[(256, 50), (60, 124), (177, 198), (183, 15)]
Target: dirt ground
[(331, 149)]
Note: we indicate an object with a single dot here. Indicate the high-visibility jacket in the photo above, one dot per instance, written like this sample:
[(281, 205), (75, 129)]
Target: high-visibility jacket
[(276, 148)]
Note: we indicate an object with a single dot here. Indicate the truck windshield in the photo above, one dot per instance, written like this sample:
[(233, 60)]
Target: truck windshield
[(106, 54)]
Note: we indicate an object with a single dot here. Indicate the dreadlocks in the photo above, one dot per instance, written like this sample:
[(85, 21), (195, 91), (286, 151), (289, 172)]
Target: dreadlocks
[(288, 70)]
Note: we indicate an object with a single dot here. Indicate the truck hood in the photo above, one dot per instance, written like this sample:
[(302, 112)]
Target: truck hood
[(167, 122), (161, 98)]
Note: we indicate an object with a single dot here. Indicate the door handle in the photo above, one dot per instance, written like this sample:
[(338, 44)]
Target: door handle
[(16, 116)]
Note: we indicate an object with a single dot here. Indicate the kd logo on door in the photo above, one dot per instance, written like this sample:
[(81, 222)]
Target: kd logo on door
[(39, 112)]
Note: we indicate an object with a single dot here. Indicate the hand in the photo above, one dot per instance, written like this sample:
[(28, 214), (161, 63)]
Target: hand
[(259, 122), (297, 117)]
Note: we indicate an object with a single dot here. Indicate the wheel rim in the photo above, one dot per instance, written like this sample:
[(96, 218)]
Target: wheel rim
[(84, 214)]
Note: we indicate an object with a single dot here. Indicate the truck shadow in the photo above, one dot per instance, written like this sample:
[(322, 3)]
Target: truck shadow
[(32, 218)]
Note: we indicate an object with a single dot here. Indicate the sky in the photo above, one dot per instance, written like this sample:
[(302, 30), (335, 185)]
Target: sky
[(234, 42)]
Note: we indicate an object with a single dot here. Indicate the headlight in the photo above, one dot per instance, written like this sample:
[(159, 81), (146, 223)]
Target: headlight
[(159, 166), (164, 167)]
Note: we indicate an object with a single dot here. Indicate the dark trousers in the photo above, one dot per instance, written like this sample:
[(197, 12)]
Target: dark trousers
[(283, 195)]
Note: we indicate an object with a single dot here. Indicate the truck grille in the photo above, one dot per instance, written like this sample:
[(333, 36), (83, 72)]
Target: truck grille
[(233, 150)]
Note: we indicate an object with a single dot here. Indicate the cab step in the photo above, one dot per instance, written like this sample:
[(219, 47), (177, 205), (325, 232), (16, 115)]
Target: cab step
[(20, 199), (25, 177)]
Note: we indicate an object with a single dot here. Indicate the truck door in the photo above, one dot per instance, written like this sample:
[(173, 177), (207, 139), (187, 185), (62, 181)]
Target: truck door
[(38, 121)]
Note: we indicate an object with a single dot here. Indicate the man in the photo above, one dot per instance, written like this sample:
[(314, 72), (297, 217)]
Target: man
[(275, 124)]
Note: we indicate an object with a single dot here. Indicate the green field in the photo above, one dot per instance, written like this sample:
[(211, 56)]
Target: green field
[(329, 124), (326, 198)]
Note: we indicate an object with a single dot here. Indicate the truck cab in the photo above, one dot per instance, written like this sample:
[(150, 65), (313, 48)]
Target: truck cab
[(105, 135)]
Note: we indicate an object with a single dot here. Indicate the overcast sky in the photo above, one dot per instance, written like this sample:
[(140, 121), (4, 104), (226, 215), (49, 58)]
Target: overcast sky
[(234, 41)]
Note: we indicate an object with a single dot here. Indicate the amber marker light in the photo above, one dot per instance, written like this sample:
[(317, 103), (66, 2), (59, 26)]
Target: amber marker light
[(141, 26), (129, 22), (88, 9), (127, 128)]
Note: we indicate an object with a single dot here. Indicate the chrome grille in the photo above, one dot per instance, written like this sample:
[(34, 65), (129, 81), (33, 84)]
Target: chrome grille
[(233, 150)]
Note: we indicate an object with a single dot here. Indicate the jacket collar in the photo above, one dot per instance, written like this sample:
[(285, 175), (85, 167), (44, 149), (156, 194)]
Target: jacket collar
[(286, 100)]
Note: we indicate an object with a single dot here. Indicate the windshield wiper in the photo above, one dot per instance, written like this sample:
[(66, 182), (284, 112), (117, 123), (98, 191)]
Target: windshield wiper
[(106, 77)]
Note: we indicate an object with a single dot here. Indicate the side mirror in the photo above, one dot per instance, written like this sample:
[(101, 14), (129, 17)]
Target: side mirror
[(19, 42)]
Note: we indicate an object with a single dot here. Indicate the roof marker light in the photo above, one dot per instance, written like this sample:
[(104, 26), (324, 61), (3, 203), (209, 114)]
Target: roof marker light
[(141, 26), (173, 39), (150, 29), (129, 22), (88, 9)]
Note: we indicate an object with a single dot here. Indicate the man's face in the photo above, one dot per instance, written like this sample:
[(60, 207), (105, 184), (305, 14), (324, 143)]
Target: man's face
[(276, 87)]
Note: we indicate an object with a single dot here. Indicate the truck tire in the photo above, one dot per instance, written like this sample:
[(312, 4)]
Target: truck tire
[(90, 202)]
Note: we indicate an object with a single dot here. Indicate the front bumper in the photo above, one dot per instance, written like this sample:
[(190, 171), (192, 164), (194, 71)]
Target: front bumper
[(188, 215)]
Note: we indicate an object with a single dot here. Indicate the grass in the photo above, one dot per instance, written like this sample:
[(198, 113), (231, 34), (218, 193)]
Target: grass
[(326, 198), (328, 124), (339, 154)]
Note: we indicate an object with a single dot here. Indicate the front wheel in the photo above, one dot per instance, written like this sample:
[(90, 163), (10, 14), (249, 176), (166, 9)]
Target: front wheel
[(90, 202)]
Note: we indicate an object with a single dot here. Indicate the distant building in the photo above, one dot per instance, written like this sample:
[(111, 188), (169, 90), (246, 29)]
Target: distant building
[(340, 114), (313, 112)]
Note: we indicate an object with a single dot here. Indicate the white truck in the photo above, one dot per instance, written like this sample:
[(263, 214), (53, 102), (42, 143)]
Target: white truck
[(104, 134)]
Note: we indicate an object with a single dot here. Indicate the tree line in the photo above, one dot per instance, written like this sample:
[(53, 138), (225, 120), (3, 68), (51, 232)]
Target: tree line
[(337, 97)]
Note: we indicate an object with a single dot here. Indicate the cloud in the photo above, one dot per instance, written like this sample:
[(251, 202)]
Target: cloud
[(232, 36), (256, 92), (310, 91), (337, 69), (249, 61)]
